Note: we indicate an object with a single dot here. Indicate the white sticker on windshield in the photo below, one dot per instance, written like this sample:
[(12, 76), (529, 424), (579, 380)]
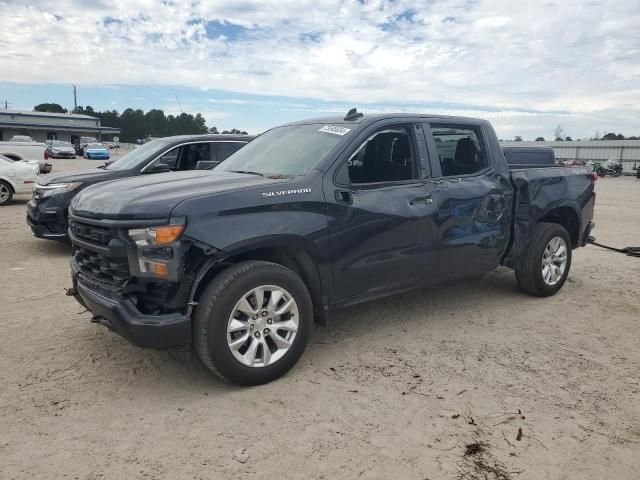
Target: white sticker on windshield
[(335, 129)]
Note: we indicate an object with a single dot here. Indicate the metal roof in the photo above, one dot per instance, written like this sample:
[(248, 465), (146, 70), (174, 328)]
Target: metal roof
[(27, 113), (49, 126)]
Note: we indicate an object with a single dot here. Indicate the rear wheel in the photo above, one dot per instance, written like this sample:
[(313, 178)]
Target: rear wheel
[(546, 263), (6, 193), (252, 322)]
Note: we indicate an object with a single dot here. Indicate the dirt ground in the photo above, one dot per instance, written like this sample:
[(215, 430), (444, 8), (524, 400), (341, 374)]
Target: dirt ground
[(465, 381)]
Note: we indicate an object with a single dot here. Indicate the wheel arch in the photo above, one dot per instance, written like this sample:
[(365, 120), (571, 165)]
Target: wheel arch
[(289, 251), (8, 182), (569, 218)]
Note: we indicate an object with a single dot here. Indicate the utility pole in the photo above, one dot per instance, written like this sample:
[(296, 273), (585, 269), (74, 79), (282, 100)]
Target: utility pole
[(181, 110), (75, 99), (6, 104)]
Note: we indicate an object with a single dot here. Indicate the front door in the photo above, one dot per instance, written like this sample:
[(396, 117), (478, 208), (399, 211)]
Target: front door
[(380, 213)]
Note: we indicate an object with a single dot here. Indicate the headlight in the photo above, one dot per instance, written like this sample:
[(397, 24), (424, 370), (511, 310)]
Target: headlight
[(57, 188), (155, 256), (156, 235)]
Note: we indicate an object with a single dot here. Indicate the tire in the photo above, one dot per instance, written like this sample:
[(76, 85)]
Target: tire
[(530, 273), (217, 310), (6, 193)]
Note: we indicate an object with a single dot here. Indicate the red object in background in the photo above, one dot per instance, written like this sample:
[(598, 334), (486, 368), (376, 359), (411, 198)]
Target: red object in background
[(46, 154)]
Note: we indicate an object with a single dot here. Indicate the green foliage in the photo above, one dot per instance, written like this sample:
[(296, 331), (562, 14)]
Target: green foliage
[(49, 107), (613, 136), (136, 124), (540, 139), (568, 139), (234, 131)]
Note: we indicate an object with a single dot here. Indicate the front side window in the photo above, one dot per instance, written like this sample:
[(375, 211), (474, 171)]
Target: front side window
[(459, 150), (386, 156), (139, 155)]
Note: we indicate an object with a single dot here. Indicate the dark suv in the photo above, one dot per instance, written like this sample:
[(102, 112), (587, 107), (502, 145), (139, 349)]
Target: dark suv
[(47, 210)]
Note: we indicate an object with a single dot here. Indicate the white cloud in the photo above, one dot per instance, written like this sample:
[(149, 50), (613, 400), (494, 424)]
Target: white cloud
[(582, 58)]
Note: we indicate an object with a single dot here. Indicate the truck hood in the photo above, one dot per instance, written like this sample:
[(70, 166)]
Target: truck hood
[(90, 175), (154, 196)]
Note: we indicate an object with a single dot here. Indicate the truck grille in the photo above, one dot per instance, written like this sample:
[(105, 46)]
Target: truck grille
[(114, 271), (91, 233)]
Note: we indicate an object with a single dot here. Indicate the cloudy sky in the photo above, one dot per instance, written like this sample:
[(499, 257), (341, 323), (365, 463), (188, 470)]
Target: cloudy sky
[(526, 66)]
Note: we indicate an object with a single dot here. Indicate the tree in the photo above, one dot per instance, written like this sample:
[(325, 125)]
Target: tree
[(559, 139), (234, 131), (136, 124), (49, 107), (568, 139), (613, 136), (558, 131), (540, 139)]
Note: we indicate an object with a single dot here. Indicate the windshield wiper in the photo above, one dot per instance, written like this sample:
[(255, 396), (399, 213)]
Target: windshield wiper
[(248, 172)]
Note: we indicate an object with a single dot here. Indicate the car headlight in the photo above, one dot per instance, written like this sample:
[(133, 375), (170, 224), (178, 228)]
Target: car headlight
[(57, 188), (155, 255), (145, 237)]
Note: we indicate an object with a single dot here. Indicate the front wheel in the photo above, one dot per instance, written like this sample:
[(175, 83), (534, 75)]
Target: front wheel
[(6, 193), (252, 322), (545, 264)]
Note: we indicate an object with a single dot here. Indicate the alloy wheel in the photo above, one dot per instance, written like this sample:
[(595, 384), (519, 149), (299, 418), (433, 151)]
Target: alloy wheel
[(554, 261), (262, 326)]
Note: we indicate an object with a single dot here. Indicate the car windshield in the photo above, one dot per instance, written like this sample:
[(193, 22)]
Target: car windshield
[(95, 145), (140, 155), (60, 143), (287, 151)]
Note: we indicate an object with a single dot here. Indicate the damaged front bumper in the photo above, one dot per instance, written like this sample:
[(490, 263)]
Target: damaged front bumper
[(121, 315)]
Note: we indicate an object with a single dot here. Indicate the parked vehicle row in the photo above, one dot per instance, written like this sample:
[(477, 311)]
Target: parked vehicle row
[(307, 218), (47, 210)]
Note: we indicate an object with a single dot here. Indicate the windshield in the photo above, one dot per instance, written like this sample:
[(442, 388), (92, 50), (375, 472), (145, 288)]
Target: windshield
[(95, 145), (60, 143), (290, 151), (139, 155)]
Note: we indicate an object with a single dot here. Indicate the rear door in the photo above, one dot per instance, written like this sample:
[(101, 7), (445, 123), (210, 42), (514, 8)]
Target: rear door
[(473, 200)]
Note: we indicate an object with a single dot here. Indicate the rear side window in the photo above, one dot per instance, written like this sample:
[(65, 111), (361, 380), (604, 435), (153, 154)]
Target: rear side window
[(460, 150), (225, 149)]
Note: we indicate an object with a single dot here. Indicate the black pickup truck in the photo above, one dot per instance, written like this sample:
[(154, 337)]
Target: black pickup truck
[(47, 210), (310, 217)]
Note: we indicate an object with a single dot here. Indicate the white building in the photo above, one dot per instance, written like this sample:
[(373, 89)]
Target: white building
[(43, 126), (627, 151)]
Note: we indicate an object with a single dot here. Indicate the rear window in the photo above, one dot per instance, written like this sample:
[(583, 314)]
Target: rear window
[(529, 158)]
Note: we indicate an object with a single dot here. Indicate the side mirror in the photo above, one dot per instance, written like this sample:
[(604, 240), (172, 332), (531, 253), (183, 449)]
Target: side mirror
[(206, 164)]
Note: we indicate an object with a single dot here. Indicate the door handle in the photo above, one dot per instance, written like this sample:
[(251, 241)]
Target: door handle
[(423, 200), (344, 197)]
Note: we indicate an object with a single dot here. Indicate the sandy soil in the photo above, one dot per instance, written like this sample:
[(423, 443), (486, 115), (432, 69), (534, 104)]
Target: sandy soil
[(393, 389)]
